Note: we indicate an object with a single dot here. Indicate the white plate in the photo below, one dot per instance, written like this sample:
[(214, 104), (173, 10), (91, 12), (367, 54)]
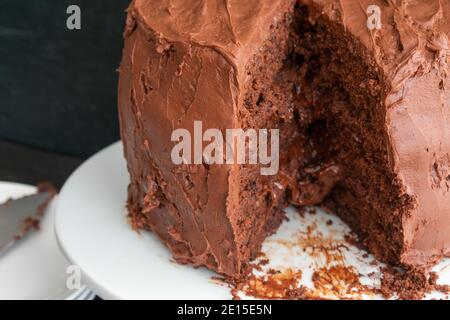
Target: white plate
[(118, 263), (34, 268)]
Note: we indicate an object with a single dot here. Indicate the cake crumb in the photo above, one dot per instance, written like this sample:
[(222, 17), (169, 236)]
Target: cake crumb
[(410, 284)]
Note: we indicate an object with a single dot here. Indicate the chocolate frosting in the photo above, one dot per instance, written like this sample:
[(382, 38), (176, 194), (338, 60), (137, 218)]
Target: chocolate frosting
[(216, 39)]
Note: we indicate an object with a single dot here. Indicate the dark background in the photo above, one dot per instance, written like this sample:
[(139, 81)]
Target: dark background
[(57, 86)]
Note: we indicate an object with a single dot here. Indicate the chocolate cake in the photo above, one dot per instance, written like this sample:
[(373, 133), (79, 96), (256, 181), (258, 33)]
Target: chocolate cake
[(360, 93)]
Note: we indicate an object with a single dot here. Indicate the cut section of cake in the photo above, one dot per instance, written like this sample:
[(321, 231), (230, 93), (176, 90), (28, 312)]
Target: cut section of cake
[(360, 94)]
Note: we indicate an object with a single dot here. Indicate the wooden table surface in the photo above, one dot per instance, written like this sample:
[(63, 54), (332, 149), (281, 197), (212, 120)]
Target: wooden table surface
[(28, 165)]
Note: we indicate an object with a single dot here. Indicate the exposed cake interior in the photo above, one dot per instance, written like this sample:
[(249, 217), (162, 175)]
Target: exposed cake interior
[(318, 86)]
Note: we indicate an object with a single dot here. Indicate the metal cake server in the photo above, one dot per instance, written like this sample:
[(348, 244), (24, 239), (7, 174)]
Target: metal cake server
[(20, 216)]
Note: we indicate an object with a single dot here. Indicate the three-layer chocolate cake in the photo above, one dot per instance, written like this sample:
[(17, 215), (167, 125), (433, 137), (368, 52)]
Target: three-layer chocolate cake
[(360, 91)]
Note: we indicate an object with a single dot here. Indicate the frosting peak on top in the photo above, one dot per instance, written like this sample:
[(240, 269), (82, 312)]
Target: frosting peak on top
[(232, 27)]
